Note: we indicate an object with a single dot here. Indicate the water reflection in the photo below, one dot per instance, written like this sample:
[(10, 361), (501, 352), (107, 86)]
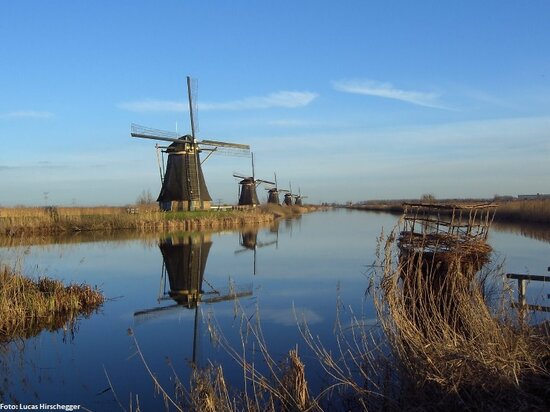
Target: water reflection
[(532, 230), (184, 262), (248, 239)]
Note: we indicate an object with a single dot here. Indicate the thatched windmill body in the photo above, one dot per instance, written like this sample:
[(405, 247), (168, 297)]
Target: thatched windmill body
[(299, 198), (247, 187), (273, 193), (289, 196), (183, 184)]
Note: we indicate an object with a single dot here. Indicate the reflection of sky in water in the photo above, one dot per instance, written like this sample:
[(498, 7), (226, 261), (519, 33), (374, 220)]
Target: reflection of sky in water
[(317, 261)]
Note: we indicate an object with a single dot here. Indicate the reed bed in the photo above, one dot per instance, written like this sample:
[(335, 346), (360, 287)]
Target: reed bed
[(28, 306), (454, 352), (41, 221), (536, 211)]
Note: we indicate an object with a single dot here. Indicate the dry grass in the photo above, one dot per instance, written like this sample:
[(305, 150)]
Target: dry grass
[(28, 306), (536, 211), (40, 221), (450, 350)]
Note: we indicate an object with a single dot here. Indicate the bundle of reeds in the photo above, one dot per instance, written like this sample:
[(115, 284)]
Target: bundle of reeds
[(450, 350)]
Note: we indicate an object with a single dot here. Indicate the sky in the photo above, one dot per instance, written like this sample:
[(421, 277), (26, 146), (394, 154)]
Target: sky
[(347, 101)]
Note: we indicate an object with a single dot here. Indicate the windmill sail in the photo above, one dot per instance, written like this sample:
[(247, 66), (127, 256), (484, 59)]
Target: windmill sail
[(183, 185), (247, 187)]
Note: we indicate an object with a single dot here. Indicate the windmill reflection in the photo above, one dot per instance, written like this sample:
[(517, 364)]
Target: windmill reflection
[(184, 262), (248, 239)]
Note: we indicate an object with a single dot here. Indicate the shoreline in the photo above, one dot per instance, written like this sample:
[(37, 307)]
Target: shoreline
[(513, 211), (17, 222)]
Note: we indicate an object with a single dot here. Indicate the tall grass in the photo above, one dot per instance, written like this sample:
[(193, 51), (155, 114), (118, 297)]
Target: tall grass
[(471, 357), (28, 306), (27, 221), (536, 211)]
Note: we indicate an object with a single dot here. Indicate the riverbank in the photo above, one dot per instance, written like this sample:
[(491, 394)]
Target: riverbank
[(63, 220), (514, 211)]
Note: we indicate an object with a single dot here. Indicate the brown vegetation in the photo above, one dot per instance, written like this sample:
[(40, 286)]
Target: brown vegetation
[(28, 306), (58, 220), (534, 211)]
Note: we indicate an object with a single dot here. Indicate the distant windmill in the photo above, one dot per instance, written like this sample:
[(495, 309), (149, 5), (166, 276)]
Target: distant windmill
[(288, 196), (183, 184), (248, 185), (299, 198), (273, 193)]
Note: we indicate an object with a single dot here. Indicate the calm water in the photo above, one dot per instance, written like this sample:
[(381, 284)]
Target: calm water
[(302, 268)]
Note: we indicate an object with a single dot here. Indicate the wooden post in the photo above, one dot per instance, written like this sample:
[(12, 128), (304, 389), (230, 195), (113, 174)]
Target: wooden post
[(522, 296)]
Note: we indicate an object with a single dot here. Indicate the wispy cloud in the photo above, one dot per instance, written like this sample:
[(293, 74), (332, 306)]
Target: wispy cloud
[(389, 91), (26, 114), (282, 99), (150, 105)]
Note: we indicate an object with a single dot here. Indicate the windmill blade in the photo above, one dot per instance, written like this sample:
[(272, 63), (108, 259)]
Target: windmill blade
[(224, 298), (265, 181), (147, 314), (239, 176), (156, 134), (216, 143)]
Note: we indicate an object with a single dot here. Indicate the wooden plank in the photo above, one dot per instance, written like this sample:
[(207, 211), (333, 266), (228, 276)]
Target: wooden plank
[(520, 276), (537, 308)]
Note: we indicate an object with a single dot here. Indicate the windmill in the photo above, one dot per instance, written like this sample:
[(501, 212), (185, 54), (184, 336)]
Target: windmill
[(183, 184), (184, 262), (288, 196), (249, 241), (298, 199), (248, 185), (273, 193)]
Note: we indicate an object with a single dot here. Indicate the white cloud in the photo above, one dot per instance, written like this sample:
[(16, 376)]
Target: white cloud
[(291, 317), (388, 91), (26, 114), (284, 99)]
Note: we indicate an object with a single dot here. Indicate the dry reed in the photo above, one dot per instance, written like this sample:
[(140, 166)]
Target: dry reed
[(28, 306), (450, 349), (39, 221)]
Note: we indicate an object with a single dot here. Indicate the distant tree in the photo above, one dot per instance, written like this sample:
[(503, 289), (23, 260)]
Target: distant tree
[(145, 198), (427, 198)]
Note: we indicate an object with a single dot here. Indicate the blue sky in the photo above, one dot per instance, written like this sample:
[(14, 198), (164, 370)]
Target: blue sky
[(347, 100)]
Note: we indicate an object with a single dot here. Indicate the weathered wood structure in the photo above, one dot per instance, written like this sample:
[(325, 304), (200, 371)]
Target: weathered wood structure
[(441, 248)]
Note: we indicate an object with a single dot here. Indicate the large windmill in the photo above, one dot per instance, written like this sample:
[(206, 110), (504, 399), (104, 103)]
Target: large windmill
[(183, 185), (273, 193), (247, 187)]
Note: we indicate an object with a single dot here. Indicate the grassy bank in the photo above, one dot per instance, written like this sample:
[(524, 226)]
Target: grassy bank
[(28, 306), (36, 221), (533, 211)]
